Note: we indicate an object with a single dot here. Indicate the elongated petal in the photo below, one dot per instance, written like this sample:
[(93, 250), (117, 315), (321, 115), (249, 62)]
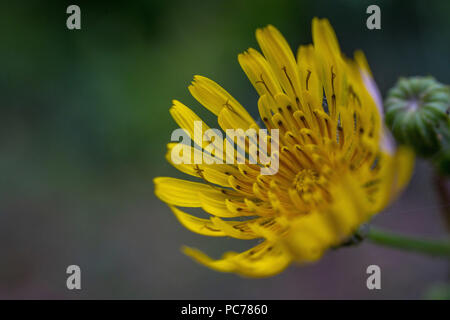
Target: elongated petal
[(259, 73), (202, 226), (281, 59), (180, 192), (215, 99), (264, 260)]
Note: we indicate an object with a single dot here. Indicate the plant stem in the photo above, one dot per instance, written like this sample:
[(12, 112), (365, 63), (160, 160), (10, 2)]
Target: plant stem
[(388, 239)]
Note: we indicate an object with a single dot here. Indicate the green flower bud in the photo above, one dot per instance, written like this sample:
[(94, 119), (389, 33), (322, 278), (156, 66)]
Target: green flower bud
[(417, 112)]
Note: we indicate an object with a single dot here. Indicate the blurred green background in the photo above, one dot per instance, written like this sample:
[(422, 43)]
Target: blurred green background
[(84, 123)]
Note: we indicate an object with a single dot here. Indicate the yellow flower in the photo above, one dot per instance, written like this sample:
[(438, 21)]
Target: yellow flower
[(337, 164)]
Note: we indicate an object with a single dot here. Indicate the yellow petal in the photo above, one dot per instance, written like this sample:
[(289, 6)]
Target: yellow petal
[(324, 37), (189, 121), (281, 59), (201, 226), (259, 72), (215, 98), (309, 76), (217, 205), (362, 63), (394, 174), (264, 260), (331, 66), (235, 229), (212, 173), (229, 119), (180, 192), (405, 166)]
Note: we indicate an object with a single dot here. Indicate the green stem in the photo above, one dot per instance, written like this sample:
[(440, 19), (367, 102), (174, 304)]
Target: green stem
[(388, 239)]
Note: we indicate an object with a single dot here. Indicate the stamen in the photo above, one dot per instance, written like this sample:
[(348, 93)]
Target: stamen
[(307, 79), (264, 83)]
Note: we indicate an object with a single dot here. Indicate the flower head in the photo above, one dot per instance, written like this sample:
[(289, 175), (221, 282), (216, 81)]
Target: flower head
[(417, 112), (337, 164)]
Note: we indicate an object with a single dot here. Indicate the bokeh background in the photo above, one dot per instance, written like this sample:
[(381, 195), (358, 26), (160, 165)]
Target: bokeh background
[(84, 122)]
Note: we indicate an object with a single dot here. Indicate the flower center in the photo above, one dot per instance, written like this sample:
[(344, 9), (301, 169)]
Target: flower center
[(305, 181)]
